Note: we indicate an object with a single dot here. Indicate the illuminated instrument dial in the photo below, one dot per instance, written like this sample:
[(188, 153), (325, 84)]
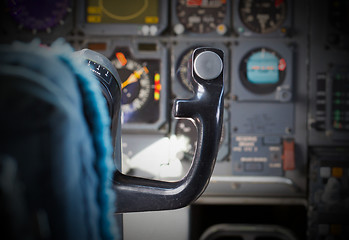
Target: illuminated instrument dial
[(263, 16), (135, 84), (262, 70), (200, 16), (140, 88), (118, 11), (39, 15)]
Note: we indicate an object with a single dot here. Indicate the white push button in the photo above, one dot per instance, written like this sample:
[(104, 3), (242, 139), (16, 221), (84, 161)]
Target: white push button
[(208, 65)]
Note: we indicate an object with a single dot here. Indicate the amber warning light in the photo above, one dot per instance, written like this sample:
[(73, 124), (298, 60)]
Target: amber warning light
[(157, 87), (121, 58)]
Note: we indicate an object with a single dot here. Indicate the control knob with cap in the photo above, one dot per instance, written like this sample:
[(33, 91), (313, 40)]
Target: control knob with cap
[(208, 65)]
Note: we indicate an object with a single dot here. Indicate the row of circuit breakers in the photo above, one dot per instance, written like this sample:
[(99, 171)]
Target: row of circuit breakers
[(150, 43)]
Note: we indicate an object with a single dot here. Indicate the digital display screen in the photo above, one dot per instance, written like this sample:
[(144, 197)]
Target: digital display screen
[(120, 11), (262, 68)]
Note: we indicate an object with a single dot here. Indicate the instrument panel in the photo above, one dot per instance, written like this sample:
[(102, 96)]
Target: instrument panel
[(285, 76), (200, 17), (109, 17), (263, 16)]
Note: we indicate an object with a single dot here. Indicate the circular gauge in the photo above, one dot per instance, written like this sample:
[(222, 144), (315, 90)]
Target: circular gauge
[(262, 70), (263, 16), (182, 69), (186, 133), (39, 15), (116, 11), (201, 16), (136, 84)]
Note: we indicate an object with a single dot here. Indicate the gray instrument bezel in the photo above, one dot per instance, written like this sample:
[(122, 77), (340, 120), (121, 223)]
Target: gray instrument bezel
[(226, 22), (237, 22), (119, 29), (14, 32), (161, 54), (244, 47)]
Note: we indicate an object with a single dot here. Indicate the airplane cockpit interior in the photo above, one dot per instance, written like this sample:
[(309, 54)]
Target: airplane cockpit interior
[(174, 119)]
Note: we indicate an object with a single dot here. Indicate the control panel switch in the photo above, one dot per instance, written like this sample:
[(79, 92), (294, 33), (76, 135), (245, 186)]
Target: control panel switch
[(288, 156)]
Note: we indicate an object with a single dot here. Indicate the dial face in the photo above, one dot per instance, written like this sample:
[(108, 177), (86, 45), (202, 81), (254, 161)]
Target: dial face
[(135, 85), (182, 73), (116, 11), (263, 16), (140, 88), (262, 70), (201, 16), (39, 15)]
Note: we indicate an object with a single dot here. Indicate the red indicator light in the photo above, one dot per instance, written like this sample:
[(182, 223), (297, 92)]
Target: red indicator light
[(194, 2), (255, 67), (282, 64), (121, 58), (278, 2)]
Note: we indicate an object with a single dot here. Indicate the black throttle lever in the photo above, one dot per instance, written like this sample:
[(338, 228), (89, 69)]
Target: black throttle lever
[(136, 194)]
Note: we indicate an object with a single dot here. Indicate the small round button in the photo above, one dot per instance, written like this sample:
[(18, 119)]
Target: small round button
[(208, 65)]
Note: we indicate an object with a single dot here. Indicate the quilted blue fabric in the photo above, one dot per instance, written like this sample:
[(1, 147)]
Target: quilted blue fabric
[(55, 124)]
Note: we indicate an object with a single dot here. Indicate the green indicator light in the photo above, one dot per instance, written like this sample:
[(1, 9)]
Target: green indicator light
[(337, 101), (337, 113), (338, 76), (338, 94)]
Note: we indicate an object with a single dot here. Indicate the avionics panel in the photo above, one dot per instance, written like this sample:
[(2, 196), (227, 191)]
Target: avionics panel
[(328, 193), (47, 20), (270, 63), (266, 18), (262, 71), (181, 55), (114, 17), (142, 67), (201, 18), (329, 76)]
